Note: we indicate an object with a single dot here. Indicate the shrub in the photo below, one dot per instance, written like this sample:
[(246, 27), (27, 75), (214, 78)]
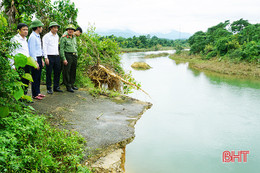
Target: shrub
[(28, 143), (211, 54)]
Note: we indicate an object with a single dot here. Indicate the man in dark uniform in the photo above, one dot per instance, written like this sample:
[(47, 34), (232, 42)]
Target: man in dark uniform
[(69, 55)]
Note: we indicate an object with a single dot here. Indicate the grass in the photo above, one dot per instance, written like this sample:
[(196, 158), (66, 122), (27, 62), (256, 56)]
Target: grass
[(128, 50), (219, 65), (156, 55)]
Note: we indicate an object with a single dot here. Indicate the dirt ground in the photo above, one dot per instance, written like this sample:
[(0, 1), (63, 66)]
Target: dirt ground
[(106, 123)]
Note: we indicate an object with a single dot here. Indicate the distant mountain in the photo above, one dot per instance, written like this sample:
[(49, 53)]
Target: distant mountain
[(128, 33)]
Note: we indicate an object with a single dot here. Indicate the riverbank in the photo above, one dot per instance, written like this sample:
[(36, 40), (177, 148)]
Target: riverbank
[(192, 113), (130, 50), (106, 123), (242, 69)]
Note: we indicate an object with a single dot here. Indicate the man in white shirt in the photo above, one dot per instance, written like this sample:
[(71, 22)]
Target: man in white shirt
[(52, 58), (22, 48)]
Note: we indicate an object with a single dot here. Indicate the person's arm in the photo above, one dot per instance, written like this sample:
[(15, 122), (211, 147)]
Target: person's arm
[(32, 47), (45, 42), (76, 45), (32, 42), (11, 63), (64, 34), (62, 50), (11, 60)]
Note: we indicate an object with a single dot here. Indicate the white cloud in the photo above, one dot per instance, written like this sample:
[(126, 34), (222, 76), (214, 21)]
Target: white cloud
[(164, 15)]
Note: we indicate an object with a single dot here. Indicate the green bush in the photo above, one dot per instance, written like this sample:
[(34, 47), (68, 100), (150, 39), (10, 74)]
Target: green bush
[(29, 144), (235, 54), (239, 43), (251, 51), (211, 54), (222, 46)]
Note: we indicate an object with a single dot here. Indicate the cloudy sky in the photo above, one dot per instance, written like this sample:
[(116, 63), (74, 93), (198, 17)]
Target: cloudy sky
[(145, 16)]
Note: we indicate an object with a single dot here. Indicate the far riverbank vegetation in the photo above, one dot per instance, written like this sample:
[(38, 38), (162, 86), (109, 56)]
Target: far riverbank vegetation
[(147, 43), (229, 48)]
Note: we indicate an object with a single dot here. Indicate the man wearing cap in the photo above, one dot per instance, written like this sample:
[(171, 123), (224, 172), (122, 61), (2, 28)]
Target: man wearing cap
[(35, 51), (22, 48), (77, 33), (52, 58), (68, 53)]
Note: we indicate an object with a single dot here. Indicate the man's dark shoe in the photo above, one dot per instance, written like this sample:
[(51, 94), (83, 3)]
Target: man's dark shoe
[(70, 90), (58, 90), (74, 88), (50, 91)]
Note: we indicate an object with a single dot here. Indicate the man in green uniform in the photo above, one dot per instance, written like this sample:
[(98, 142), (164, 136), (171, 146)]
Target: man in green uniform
[(68, 54)]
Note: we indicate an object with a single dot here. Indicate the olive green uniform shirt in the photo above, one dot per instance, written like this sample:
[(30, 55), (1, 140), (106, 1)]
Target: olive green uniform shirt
[(67, 44)]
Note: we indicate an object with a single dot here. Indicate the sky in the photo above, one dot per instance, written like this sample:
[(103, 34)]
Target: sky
[(146, 16)]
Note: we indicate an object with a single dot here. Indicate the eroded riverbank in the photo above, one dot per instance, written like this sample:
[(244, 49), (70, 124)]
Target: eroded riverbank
[(106, 123), (240, 69)]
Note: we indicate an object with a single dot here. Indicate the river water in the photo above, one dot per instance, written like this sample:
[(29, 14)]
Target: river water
[(195, 117)]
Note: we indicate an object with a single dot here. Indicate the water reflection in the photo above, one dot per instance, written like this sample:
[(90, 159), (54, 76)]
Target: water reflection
[(219, 79), (195, 117)]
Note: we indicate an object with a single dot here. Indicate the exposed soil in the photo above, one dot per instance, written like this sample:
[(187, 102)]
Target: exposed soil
[(241, 69)]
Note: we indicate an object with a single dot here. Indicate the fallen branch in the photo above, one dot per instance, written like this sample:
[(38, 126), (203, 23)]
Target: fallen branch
[(120, 78)]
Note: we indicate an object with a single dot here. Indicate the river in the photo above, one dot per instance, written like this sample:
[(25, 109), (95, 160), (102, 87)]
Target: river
[(195, 117)]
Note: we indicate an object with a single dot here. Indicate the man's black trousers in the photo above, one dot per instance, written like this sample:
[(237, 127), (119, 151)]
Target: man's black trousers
[(54, 64)]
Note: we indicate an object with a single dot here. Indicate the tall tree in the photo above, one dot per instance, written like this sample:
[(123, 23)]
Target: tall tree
[(239, 25)]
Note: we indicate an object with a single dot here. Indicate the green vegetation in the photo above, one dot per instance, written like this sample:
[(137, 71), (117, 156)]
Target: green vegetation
[(28, 143), (61, 11), (94, 49), (238, 41), (146, 43), (222, 66), (156, 55), (232, 49)]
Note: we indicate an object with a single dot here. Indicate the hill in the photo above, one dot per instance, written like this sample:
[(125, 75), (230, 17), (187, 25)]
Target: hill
[(173, 35)]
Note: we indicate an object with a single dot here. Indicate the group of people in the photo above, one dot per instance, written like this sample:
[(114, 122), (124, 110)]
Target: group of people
[(46, 51)]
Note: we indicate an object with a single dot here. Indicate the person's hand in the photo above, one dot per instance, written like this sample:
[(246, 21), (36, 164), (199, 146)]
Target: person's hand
[(46, 61), (38, 67), (42, 63), (65, 62)]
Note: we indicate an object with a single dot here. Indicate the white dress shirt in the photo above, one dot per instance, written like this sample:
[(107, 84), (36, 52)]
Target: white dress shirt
[(21, 48), (50, 44)]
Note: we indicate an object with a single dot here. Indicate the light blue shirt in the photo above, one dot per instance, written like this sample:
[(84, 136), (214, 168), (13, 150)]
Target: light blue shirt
[(35, 45)]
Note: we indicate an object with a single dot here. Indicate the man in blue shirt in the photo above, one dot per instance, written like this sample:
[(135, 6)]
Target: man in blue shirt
[(36, 51)]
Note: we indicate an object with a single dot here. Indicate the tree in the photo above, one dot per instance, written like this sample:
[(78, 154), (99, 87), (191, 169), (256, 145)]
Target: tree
[(239, 25), (63, 12), (221, 25), (198, 41)]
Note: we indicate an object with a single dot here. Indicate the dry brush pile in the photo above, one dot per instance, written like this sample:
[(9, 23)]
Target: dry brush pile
[(103, 72)]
